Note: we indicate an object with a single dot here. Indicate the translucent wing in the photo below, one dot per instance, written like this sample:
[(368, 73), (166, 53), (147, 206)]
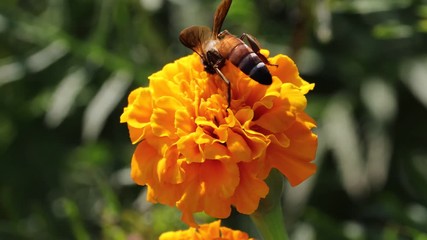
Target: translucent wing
[(220, 14), (193, 37)]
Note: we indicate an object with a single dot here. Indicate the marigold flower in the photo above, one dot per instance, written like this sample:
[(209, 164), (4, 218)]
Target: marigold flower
[(211, 231), (198, 155)]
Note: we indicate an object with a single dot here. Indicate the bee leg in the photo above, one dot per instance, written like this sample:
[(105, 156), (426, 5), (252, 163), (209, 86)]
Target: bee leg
[(255, 46), (228, 85)]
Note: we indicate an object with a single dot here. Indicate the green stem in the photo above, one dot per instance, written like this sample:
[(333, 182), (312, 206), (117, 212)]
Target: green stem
[(268, 218)]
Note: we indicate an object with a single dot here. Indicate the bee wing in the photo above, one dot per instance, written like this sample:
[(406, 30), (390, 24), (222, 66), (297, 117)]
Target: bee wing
[(220, 14), (193, 37)]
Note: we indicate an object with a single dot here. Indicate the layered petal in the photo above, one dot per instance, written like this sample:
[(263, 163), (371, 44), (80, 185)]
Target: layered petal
[(211, 231), (137, 114)]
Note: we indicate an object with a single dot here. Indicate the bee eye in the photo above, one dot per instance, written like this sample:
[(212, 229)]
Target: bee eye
[(221, 34)]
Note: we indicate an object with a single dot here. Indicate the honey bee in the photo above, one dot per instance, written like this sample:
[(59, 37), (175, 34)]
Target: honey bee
[(215, 47)]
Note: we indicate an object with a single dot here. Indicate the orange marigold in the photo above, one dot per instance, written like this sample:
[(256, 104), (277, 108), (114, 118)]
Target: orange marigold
[(211, 231), (198, 155)]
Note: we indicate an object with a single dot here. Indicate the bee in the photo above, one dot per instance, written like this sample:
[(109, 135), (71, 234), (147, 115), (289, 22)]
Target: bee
[(215, 47)]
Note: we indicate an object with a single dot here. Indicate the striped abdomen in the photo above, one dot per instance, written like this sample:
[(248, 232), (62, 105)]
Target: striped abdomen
[(248, 62)]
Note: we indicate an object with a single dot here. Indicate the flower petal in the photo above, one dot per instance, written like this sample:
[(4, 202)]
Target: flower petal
[(144, 160), (250, 190), (238, 147), (211, 231), (137, 114), (184, 122), (295, 161), (163, 117), (188, 147), (276, 119), (286, 71)]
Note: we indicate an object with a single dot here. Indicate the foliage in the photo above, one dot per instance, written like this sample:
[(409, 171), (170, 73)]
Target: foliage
[(66, 68)]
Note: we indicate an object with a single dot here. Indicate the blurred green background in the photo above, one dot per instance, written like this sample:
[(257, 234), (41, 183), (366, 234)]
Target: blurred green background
[(66, 67)]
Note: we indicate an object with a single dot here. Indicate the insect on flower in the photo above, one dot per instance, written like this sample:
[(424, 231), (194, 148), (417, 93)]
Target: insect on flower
[(214, 47)]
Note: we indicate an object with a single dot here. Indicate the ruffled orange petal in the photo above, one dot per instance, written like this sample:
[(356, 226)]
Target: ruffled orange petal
[(211, 231), (286, 71), (169, 167), (210, 188), (250, 190), (295, 161), (163, 117), (188, 147), (137, 114), (184, 122), (144, 160), (239, 149)]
